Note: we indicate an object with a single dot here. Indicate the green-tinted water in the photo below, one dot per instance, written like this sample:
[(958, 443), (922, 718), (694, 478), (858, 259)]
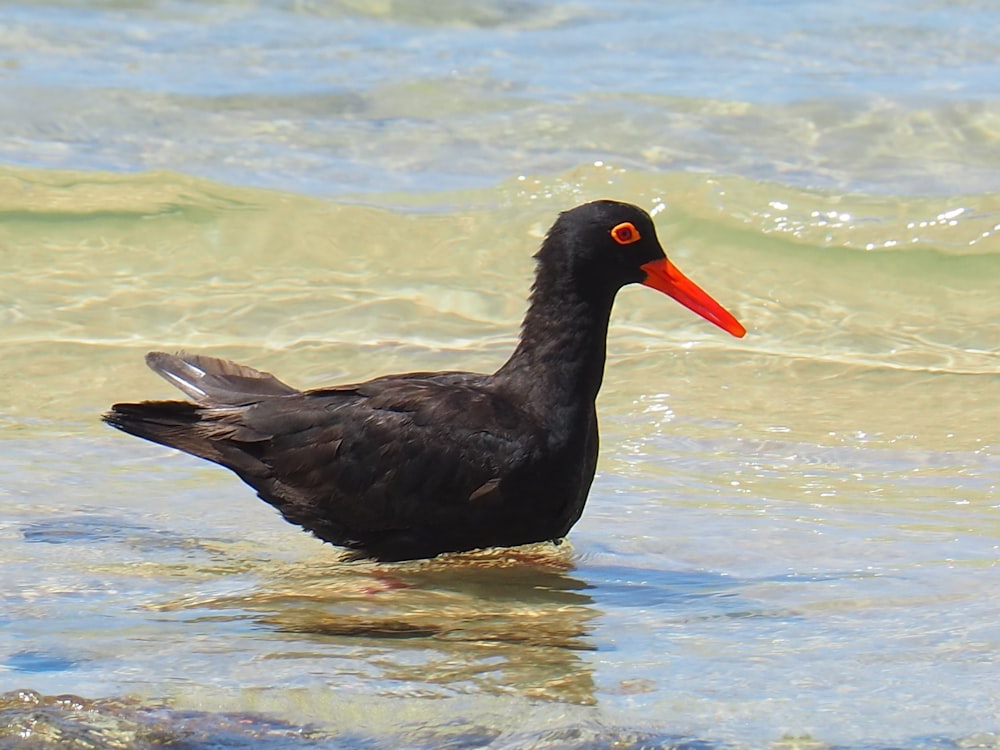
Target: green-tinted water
[(793, 538), (784, 528)]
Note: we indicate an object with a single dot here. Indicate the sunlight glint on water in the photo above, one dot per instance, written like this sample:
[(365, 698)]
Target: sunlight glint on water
[(793, 537)]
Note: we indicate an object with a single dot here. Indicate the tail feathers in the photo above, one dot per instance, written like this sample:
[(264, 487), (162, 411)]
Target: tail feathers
[(214, 381), (170, 423)]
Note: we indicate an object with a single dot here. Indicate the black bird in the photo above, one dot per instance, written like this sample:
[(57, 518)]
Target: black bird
[(414, 465)]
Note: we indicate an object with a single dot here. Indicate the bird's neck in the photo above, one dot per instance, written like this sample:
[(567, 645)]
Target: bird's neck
[(558, 365)]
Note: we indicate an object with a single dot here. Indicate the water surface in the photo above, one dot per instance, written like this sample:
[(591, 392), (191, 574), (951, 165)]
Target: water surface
[(793, 537)]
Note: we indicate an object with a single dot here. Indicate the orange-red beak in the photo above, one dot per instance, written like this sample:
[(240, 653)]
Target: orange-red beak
[(664, 276)]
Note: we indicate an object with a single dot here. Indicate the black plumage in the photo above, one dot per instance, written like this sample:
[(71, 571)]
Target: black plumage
[(410, 466)]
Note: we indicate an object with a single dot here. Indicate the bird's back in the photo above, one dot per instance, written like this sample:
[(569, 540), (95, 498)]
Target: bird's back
[(397, 467)]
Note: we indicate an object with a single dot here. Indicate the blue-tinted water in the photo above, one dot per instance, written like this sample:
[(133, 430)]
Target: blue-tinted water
[(793, 538), (347, 98)]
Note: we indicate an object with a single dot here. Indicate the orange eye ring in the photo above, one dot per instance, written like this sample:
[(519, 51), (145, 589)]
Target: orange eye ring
[(625, 233)]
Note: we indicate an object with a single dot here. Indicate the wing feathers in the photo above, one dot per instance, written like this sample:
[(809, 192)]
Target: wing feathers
[(399, 466), (210, 380)]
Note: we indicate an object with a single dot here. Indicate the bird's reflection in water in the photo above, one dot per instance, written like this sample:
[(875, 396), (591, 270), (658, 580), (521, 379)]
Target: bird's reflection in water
[(494, 621)]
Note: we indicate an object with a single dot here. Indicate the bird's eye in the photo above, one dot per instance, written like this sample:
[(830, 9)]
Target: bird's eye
[(625, 233)]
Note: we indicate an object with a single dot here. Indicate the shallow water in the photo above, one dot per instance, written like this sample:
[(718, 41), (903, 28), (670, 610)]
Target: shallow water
[(793, 538)]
